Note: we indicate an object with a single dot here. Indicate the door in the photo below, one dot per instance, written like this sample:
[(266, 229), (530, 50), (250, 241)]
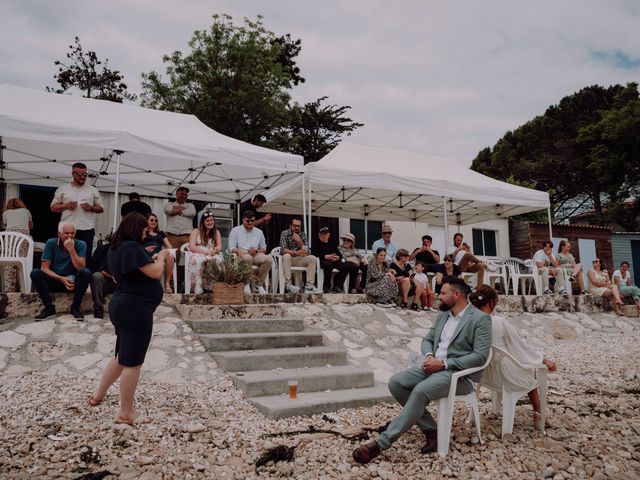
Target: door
[(635, 260), (587, 250)]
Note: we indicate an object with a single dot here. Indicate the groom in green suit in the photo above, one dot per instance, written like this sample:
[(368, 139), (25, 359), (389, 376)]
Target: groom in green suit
[(459, 339)]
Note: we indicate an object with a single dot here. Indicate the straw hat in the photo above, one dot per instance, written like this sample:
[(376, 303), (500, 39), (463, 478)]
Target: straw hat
[(348, 236), (386, 229)]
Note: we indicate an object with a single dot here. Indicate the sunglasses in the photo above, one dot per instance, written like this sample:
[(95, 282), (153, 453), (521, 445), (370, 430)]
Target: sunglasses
[(448, 260), (249, 220), (80, 174), (205, 215)]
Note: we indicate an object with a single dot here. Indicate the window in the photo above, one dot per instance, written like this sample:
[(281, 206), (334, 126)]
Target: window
[(373, 232), (485, 243)]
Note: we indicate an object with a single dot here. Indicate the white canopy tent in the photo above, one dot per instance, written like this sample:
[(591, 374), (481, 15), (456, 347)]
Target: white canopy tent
[(129, 148), (372, 183)]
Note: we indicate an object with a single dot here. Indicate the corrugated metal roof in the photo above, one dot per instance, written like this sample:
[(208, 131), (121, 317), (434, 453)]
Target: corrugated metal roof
[(576, 225)]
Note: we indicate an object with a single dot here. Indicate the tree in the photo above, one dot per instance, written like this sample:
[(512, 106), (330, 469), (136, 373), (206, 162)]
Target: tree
[(237, 80), (585, 152), (314, 130), (82, 73)]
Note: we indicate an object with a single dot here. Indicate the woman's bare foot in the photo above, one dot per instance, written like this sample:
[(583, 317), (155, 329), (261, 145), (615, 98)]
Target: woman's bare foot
[(92, 401), (126, 418)]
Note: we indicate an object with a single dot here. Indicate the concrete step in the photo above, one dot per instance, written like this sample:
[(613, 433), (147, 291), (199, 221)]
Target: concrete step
[(247, 325), (248, 360), (269, 382), (280, 406), (254, 341), (196, 312)]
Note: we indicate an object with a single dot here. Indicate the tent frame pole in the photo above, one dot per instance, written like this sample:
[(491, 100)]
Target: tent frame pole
[(116, 192), (309, 232), (446, 222), (550, 221), (304, 204)]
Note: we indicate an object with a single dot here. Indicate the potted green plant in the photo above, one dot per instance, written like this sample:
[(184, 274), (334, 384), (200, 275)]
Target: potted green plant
[(228, 277)]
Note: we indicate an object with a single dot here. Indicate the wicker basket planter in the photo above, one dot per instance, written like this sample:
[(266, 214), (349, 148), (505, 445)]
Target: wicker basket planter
[(225, 294)]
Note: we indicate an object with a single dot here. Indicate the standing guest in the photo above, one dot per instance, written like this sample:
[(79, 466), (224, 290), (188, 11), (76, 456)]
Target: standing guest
[(78, 202), (505, 374), (134, 205), (601, 286), (248, 243), (381, 284), (179, 220), (444, 270), (403, 273), (254, 205), (351, 254), (63, 269), (463, 257), (153, 243), (427, 297), (548, 265), (205, 243), (566, 260), (622, 278), (386, 243), (460, 338), (138, 294), (330, 258), (294, 250), (426, 254), (101, 281), (16, 218)]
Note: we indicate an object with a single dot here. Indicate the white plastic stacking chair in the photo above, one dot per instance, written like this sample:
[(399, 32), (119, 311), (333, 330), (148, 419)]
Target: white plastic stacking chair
[(320, 277), (172, 252), (497, 271), (10, 243), (517, 277), (446, 407), (184, 253), (510, 399), (296, 272)]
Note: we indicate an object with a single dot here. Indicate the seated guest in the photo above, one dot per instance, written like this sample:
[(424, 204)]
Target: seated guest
[(350, 254), (463, 257), (386, 243), (101, 281), (503, 335), (402, 273), (294, 249), (444, 270), (601, 286), (205, 244), (63, 269), (422, 279), (134, 205), (622, 279), (426, 254), (381, 284), (248, 243), (566, 260), (548, 265), (330, 258), (153, 243)]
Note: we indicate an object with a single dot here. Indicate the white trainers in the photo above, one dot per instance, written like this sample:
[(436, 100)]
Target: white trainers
[(310, 288), (547, 292), (291, 288), (247, 289), (260, 290), (562, 291)]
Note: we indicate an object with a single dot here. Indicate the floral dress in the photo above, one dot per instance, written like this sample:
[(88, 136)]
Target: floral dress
[(196, 265), (379, 285)]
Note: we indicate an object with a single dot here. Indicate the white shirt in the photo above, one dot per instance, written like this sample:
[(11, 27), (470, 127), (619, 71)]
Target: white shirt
[(459, 255), (447, 334), (245, 239), (620, 280), (421, 277), (180, 223), (86, 193), (17, 219), (541, 257)]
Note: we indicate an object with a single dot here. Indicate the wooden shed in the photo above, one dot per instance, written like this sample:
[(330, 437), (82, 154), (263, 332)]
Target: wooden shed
[(525, 238), (626, 247)]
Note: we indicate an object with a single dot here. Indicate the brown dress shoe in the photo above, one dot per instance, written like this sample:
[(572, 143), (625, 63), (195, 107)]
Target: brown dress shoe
[(367, 452), (432, 442)]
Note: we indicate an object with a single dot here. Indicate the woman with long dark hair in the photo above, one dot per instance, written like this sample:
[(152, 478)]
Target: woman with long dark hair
[(205, 244), (138, 293), (153, 243)]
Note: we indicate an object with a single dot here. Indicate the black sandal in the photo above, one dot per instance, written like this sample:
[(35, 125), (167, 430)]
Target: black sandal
[(414, 306), (403, 305)]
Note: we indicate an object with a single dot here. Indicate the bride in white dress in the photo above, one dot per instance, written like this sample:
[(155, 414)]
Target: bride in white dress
[(503, 335)]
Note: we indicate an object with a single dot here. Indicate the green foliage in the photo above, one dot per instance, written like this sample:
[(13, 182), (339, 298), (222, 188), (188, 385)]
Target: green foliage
[(237, 80), (585, 152), (82, 73), (230, 270)]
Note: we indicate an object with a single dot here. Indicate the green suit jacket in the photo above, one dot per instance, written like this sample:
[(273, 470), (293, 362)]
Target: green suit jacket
[(471, 342)]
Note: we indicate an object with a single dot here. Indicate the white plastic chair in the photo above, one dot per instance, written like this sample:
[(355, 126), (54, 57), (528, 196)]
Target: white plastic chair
[(497, 271), (509, 399), (470, 278), (296, 272), (446, 407), (10, 243), (517, 277), (184, 253), (255, 268), (172, 252), (320, 277)]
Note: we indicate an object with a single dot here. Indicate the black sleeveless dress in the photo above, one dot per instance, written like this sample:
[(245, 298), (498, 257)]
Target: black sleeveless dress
[(132, 305)]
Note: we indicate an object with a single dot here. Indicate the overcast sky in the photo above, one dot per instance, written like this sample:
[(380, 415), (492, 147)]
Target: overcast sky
[(446, 77)]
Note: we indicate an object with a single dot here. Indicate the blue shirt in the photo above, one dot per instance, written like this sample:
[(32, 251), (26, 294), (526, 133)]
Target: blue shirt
[(60, 259), (245, 239), (391, 249)]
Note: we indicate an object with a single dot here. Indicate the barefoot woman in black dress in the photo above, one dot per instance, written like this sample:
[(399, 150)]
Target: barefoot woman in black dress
[(138, 293)]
